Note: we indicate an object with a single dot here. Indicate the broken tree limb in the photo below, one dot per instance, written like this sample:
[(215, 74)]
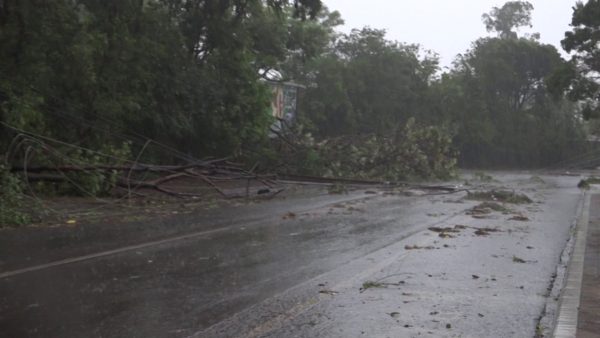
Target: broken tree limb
[(209, 182), (329, 180), (168, 178)]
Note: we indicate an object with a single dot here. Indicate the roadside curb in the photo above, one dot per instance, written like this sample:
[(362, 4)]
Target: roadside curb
[(566, 323)]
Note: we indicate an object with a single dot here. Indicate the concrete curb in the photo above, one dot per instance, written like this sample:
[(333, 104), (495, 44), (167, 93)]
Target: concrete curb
[(566, 323)]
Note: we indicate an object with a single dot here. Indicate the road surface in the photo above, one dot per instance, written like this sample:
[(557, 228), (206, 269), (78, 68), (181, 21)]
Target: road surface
[(362, 264)]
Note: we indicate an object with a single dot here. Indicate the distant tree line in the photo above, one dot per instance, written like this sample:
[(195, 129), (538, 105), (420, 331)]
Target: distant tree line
[(186, 74), (506, 99)]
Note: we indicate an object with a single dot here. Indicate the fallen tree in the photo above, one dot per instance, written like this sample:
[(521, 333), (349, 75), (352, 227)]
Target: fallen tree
[(412, 152)]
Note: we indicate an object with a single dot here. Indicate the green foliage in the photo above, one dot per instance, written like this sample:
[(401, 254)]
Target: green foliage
[(412, 152), (587, 183), (504, 100), (183, 74), (500, 196), (367, 84), (371, 285), (186, 74), (505, 114), (95, 182), (584, 42), (11, 200), (512, 15)]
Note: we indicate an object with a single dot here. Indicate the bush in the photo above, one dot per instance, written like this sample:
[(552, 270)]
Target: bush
[(11, 200), (96, 182)]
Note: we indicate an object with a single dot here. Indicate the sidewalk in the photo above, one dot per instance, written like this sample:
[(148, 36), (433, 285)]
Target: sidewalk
[(579, 312), (588, 324)]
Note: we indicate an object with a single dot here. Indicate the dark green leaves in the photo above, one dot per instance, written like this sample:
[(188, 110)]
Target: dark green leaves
[(584, 40)]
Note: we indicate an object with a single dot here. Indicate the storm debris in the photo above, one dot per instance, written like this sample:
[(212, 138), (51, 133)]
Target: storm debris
[(440, 230), (486, 208), (518, 260), (485, 231), (537, 179), (499, 196), (370, 285), (480, 232), (416, 247), (586, 183), (289, 215), (447, 232), (519, 218)]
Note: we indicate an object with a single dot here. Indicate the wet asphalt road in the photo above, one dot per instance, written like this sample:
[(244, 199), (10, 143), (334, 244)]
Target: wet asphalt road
[(294, 268)]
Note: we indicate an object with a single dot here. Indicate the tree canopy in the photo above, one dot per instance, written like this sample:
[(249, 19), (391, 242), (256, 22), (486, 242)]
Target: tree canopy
[(504, 20), (181, 72), (186, 74), (584, 40)]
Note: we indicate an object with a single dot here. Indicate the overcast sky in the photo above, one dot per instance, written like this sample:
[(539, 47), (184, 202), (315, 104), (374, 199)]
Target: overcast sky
[(447, 26)]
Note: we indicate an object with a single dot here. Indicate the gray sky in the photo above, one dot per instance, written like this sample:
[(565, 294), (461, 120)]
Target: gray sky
[(447, 26)]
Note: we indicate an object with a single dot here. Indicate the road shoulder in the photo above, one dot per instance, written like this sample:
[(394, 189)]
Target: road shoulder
[(588, 320)]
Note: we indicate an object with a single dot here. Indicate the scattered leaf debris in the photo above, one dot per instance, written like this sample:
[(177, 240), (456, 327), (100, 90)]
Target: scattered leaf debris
[(586, 183), (416, 247), (370, 285), (485, 231), (518, 260), (520, 218), (486, 208), (447, 232), (436, 229), (499, 196)]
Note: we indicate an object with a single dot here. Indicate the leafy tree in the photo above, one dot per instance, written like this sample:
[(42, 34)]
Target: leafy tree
[(499, 99), (182, 72), (368, 84), (584, 40), (504, 20), (307, 41)]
